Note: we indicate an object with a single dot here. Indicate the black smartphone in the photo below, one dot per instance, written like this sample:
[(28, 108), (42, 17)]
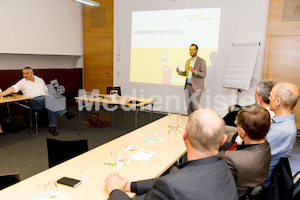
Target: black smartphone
[(69, 181)]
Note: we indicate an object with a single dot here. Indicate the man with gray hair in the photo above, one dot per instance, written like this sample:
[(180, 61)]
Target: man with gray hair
[(205, 176), (261, 95), (34, 86)]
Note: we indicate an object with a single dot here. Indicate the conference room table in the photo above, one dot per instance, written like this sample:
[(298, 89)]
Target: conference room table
[(16, 99), (91, 170), (123, 101)]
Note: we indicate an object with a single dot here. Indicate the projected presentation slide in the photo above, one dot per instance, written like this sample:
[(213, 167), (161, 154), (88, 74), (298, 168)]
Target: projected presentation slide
[(160, 42)]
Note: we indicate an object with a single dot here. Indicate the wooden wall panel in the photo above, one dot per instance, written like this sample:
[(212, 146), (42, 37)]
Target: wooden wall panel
[(98, 68), (98, 46), (282, 49), (284, 61)]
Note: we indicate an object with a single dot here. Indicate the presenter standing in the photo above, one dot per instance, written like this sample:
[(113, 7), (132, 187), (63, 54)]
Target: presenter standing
[(195, 72)]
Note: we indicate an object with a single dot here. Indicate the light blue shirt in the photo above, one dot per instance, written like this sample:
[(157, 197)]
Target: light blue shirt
[(282, 137), (189, 76)]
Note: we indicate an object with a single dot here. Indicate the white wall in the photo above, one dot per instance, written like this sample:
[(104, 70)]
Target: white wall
[(31, 28), (19, 61), (241, 21)]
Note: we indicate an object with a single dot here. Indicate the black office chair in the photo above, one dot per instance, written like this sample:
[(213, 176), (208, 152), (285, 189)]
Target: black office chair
[(7, 180), (281, 186), (61, 151)]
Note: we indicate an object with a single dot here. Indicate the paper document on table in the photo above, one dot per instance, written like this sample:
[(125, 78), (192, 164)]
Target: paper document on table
[(143, 155), (130, 147)]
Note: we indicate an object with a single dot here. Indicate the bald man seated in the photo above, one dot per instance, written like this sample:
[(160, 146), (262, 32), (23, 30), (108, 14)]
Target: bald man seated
[(204, 176), (283, 131)]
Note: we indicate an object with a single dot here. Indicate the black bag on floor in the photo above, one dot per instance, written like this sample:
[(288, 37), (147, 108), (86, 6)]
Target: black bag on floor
[(12, 126)]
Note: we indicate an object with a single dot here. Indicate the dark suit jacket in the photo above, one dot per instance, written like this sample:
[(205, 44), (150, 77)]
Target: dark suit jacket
[(200, 73), (203, 179), (249, 165)]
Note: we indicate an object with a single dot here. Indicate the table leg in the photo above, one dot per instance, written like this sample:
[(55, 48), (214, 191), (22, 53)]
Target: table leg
[(128, 116), (151, 112), (136, 117), (98, 119), (8, 111), (112, 117), (78, 119), (36, 123), (30, 121)]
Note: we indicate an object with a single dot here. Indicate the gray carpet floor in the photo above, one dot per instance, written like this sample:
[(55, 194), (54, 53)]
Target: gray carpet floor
[(27, 154)]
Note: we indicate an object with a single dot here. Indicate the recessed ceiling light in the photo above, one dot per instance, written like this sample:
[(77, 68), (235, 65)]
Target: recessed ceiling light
[(89, 2)]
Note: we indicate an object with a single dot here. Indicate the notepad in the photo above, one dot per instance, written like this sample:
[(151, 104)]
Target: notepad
[(143, 155)]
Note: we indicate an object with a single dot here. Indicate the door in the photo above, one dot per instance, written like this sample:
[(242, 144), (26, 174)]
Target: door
[(98, 46), (98, 70), (284, 63)]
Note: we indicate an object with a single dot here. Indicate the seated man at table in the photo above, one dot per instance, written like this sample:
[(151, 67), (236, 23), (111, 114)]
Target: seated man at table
[(249, 163), (282, 134), (261, 96), (34, 86), (204, 176)]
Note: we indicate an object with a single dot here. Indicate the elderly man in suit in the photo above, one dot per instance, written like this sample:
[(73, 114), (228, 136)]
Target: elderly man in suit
[(261, 96), (249, 162), (195, 72), (204, 176)]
